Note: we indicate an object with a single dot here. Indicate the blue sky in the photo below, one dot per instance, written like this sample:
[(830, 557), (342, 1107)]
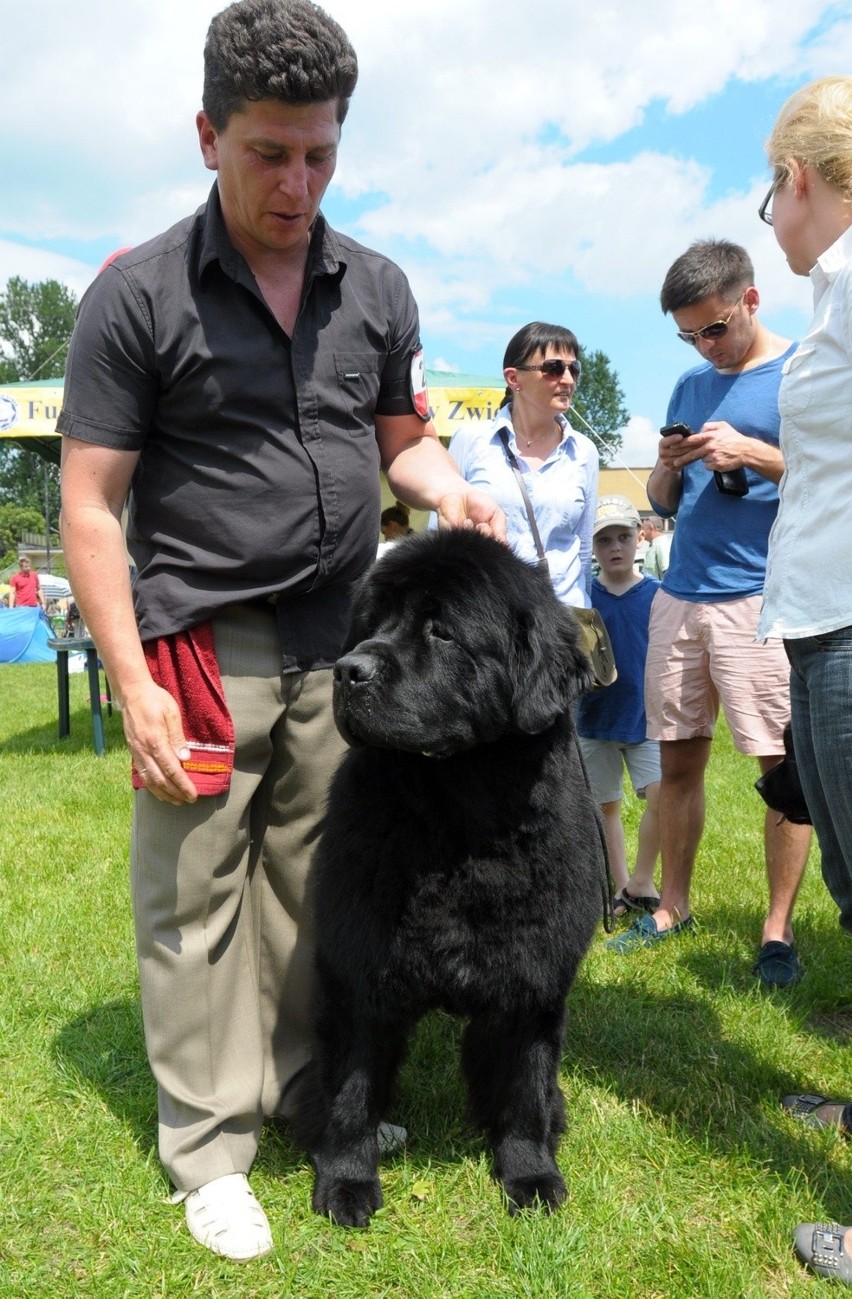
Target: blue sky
[(519, 162)]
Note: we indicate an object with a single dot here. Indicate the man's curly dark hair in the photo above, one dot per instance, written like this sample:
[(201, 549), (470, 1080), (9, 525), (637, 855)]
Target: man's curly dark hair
[(289, 50)]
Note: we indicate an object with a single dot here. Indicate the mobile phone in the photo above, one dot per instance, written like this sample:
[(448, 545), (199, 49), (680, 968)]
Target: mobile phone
[(731, 482), (683, 429)]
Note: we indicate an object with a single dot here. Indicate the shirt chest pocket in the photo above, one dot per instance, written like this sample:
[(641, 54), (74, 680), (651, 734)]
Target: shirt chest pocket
[(794, 394), (357, 390)]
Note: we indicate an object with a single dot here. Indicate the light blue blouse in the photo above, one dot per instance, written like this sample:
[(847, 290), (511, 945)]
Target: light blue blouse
[(563, 491)]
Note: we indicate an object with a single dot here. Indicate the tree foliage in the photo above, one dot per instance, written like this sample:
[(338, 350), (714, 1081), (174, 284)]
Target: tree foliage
[(36, 321), (24, 480), (14, 521), (35, 329), (600, 401)]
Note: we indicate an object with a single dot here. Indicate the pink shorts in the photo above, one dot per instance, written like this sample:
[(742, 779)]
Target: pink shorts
[(701, 654)]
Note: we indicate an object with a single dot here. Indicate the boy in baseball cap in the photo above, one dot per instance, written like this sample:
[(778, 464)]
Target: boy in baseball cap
[(611, 722)]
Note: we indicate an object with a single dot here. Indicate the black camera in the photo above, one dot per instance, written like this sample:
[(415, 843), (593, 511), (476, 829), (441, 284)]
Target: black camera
[(732, 482)]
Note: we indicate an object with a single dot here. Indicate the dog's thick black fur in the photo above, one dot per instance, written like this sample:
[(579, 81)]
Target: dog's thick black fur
[(461, 863)]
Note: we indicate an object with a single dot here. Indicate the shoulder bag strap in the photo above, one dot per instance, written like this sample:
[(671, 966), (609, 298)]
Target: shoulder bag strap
[(516, 470)]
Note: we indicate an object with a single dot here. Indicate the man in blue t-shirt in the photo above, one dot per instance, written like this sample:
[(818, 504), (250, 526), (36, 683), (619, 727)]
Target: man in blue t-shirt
[(702, 647)]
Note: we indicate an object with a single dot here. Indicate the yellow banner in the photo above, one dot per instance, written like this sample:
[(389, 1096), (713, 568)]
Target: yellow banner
[(453, 407), (29, 410)]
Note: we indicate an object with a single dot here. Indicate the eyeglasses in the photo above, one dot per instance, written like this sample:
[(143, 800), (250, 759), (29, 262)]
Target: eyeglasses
[(718, 329), (555, 368), (763, 211)]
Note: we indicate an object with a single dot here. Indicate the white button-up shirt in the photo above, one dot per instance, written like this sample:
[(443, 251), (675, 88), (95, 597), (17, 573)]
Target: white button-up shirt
[(808, 587)]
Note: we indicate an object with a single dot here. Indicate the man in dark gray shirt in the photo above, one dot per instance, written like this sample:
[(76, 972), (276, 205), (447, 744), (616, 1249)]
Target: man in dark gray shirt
[(243, 375)]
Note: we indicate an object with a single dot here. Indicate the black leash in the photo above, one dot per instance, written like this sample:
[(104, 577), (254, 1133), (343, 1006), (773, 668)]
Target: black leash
[(606, 889), (608, 914)]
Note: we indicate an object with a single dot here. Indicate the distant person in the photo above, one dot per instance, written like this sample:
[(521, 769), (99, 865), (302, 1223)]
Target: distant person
[(531, 448), (702, 646), (26, 592), (657, 557), (394, 525), (611, 722), (808, 594), (642, 544)]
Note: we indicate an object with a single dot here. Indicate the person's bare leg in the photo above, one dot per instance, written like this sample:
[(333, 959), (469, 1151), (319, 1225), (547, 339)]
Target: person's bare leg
[(682, 808), (786, 848), (615, 844), (641, 882)]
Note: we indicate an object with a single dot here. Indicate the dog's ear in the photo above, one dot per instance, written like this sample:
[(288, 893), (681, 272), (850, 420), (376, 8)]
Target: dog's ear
[(549, 667)]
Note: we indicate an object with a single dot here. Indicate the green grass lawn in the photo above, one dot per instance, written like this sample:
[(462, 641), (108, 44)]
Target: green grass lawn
[(685, 1178)]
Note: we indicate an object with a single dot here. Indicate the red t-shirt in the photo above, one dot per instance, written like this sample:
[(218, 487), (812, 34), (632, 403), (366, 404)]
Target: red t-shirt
[(25, 586)]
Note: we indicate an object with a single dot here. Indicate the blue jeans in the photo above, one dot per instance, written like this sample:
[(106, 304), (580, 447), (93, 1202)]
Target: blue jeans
[(821, 704)]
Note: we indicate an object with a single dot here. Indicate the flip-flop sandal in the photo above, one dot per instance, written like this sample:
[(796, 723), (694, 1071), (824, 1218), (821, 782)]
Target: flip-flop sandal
[(620, 906), (623, 903), (648, 905), (820, 1112)]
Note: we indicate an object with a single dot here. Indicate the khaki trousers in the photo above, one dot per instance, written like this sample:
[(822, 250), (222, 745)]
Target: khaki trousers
[(223, 934)]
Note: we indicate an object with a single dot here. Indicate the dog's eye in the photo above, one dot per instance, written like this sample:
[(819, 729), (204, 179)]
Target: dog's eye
[(435, 631)]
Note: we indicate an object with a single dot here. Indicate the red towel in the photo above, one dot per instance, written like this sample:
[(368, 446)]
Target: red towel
[(185, 664)]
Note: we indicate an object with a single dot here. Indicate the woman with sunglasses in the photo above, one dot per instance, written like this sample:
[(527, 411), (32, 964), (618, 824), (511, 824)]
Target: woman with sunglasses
[(531, 441), (808, 592)]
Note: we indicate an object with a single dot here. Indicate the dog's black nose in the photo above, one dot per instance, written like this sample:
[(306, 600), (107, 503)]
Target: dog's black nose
[(355, 669)]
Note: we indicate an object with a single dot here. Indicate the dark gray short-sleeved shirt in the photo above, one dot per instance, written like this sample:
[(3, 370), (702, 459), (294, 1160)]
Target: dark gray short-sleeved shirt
[(258, 469)]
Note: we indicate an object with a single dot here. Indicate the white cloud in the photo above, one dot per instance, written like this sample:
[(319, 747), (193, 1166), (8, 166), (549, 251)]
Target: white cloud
[(452, 97), (462, 151), (36, 264), (639, 441), (626, 219)]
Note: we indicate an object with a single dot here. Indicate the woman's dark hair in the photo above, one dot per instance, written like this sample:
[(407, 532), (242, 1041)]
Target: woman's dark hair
[(398, 513), (534, 338), (289, 50)]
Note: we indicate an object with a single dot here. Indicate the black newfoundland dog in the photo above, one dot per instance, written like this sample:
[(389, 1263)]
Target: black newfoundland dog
[(461, 864)]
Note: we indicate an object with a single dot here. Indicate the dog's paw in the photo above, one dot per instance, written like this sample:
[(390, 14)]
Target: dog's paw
[(348, 1203), (545, 1191)]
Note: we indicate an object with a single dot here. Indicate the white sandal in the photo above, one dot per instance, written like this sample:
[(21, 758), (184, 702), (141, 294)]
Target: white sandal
[(224, 1217)]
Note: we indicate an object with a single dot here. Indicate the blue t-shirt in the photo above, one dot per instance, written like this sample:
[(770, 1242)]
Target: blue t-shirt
[(720, 542), (618, 711)]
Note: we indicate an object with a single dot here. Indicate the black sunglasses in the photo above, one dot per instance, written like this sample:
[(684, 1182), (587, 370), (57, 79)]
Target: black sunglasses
[(555, 368), (718, 329), (763, 211)]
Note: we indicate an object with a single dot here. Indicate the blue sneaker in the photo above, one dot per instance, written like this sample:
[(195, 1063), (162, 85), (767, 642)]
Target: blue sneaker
[(644, 933)]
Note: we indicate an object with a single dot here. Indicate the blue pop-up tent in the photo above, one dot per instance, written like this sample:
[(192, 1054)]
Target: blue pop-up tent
[(24, 635)]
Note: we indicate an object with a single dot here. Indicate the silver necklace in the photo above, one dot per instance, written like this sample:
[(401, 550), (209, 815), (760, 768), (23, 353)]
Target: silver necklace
[(535, 437)]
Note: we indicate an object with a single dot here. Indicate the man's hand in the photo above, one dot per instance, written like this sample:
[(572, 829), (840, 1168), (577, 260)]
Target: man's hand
[(154, 730), (718, 444), (472, 509), (722, 446)]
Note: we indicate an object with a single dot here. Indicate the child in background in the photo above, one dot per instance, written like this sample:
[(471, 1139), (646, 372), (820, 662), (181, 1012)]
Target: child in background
[(611, 722)]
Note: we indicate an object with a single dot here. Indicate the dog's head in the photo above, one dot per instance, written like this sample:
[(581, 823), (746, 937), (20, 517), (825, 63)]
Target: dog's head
[(455, 642)]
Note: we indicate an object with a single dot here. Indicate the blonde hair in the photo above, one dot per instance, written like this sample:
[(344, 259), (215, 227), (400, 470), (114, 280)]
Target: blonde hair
[(814, 128)]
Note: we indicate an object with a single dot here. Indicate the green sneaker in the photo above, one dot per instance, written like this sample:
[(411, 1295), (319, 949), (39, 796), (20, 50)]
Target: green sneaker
[(644, 933)]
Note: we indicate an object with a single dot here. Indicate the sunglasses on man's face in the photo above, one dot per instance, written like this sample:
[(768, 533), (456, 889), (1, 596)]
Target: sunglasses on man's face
[(555, 368), (718, 329)]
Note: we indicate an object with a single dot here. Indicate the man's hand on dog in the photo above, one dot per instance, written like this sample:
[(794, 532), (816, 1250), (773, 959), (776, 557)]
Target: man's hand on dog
[(472, 509)]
